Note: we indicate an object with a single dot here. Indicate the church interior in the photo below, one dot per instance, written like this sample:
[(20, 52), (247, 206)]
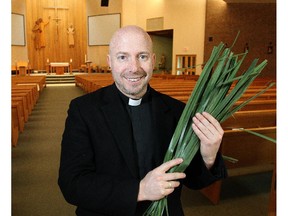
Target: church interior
[(59, 52)]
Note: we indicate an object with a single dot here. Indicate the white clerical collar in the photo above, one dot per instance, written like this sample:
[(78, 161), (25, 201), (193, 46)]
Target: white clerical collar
[(133, 102)]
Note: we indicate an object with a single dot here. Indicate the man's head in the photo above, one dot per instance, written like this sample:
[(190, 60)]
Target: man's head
[(132, 60)]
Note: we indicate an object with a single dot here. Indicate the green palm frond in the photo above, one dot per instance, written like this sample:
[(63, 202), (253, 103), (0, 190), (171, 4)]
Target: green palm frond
[(216, 92), (259, 135)]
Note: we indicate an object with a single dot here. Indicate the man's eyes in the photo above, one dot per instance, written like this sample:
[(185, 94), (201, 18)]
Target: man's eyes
[(121, 57), (143, 57)]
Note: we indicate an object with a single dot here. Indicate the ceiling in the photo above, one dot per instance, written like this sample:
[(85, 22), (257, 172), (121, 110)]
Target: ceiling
[(250, 1)]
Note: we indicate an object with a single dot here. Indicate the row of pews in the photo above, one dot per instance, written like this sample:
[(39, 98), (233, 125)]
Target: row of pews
[(94, 81), (25, 92), (254, 154), (180, 87)]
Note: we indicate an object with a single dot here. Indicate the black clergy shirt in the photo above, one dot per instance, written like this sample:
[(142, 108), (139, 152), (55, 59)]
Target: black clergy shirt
[(142, 125)]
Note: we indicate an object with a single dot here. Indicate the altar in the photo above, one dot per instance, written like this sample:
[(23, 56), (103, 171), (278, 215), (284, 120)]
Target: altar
[(59, 67)]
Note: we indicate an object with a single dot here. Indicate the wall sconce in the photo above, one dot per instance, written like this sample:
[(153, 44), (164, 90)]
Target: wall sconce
[(246, 47), (270, 48)]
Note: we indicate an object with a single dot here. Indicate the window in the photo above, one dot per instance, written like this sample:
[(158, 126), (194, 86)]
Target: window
[(186, 64)]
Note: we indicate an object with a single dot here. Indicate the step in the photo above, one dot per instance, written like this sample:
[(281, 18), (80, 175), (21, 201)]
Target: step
[(60, 79)]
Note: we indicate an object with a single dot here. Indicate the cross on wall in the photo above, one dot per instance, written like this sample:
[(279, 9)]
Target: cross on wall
[(56, 17)]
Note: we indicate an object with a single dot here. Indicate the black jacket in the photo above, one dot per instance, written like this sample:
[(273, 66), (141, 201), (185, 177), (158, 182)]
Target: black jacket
[(98, 170)]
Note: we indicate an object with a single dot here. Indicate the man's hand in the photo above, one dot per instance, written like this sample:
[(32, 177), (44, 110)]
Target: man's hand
[(210, 133), (157, 183)]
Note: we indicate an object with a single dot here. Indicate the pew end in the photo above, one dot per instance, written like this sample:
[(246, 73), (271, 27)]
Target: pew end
[(254, 154)]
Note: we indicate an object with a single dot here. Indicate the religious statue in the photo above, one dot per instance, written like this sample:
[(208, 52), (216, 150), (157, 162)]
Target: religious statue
[(71, 31), (38, 29), (36, 37), (162, 62)]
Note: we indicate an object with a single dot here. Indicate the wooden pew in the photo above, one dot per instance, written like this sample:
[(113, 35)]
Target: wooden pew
[(15, 123), (92, 82), (272, 198), (250, 119), (255, 154), (256, 104), (27, 98), (24, 95), (32, 89), (39, 81), (24, 106), (172, 76), (18, 114), (21, 109), (182, 92), (259, 104)]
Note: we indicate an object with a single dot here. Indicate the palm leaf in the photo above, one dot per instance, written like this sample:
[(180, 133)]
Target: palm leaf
[(216, 92)]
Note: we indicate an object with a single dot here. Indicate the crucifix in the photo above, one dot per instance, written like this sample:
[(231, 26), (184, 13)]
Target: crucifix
[(56, 17)]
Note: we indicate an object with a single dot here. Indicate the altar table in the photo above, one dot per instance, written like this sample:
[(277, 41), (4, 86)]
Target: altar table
[(59, 67)]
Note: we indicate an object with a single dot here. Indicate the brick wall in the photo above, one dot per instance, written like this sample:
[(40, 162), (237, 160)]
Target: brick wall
[(257, 26)]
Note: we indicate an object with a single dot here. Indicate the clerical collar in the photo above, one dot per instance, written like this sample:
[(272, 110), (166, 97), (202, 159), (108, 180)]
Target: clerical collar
[(134, 102)]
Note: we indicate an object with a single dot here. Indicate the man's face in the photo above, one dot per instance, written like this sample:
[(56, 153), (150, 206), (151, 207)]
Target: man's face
[(132, 62)]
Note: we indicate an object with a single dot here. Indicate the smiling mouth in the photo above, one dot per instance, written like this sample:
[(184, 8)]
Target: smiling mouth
[(134, 79)]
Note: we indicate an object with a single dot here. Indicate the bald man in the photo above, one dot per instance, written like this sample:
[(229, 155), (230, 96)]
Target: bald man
[(115, 139)]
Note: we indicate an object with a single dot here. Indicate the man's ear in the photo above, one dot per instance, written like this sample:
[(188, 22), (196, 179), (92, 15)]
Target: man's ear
[(108, 60), (153, 60)]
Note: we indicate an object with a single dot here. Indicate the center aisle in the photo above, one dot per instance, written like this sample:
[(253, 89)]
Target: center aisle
[(35, 160)]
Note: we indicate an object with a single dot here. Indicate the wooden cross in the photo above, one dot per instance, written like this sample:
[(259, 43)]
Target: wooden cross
[(56, 18)]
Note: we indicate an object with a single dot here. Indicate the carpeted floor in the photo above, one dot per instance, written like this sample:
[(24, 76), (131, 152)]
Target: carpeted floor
[(35, 163)]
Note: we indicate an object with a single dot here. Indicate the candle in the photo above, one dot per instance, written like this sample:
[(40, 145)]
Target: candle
[(85, 58)]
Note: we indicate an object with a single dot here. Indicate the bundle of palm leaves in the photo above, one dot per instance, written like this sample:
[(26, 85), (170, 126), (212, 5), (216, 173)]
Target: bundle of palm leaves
[(217, 90)]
